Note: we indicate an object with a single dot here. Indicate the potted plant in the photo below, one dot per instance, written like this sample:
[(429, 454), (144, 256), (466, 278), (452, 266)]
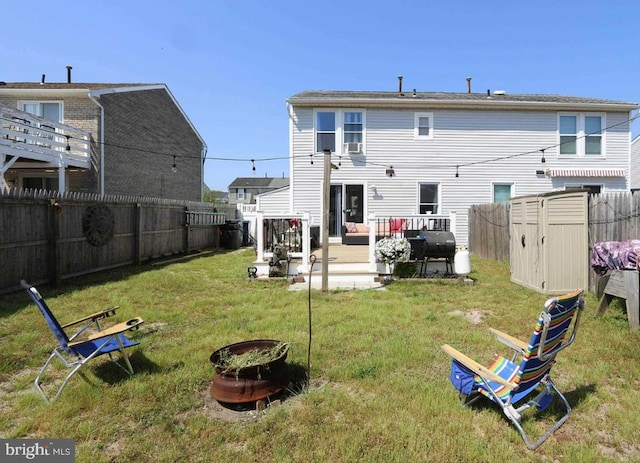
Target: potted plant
[(390, 250)]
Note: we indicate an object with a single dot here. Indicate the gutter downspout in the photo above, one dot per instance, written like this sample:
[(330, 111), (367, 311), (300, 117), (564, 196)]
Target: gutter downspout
[(203, 158), (95, 100)]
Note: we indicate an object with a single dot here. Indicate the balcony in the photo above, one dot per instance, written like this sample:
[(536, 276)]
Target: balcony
[(25, 138)]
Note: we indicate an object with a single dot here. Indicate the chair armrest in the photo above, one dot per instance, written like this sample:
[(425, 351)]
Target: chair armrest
[(112, 331), (510, 341), (476, 367), (94, 316)]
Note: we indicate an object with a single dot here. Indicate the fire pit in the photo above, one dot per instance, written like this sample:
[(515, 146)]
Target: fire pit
[(249, 371)]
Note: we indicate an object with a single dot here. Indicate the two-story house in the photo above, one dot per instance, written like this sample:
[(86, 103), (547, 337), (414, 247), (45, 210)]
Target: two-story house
[(243, 190), (141, 141), (407, 153)]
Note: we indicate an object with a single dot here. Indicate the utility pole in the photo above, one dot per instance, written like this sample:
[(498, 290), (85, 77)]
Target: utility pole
[(326, 188)]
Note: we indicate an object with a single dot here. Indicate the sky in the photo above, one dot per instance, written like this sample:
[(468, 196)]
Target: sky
[(232, 64)]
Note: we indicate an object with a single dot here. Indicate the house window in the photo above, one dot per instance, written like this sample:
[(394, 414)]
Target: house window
[(352, 128), (51, 110), (325, 131), (581, 134), (40, 183), (428, 198), (240, 193), (423, 126), (502, 192), (593, 189)]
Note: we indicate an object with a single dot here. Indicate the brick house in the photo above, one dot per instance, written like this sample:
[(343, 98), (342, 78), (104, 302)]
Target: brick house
[(141, 141)]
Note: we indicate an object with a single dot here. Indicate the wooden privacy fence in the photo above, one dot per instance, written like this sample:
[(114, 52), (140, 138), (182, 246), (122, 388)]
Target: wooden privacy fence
[(612, 217), (489, 230), (46, 237)]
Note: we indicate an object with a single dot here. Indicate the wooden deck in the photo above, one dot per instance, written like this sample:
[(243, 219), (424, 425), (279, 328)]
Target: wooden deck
[(341, 253)]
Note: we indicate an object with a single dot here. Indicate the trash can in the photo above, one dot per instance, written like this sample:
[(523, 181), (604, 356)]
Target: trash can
[(231, 237)]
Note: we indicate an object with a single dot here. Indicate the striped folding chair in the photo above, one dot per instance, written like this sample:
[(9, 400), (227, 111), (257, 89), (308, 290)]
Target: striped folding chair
[(523, 380)]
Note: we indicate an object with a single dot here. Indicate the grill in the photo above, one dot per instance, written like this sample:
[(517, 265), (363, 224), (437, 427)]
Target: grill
[(437, 245)]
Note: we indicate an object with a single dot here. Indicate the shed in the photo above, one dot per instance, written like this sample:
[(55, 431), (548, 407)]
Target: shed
[(549, 246)]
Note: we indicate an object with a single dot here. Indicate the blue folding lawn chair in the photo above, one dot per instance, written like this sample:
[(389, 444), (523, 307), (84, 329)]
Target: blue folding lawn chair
[(73, 352), (509, 381)]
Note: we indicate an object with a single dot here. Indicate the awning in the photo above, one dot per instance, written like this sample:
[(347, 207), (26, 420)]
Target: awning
[(586, 173)]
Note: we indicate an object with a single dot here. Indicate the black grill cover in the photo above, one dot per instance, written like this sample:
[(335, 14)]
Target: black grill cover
[(439, 244)]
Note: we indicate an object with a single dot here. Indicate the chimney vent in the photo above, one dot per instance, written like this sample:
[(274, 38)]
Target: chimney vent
[(468, 84), (42, 81), (400, 85), (69, 68)]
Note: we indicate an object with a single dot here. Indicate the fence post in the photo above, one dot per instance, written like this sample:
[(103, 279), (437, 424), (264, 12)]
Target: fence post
[(185, 234), (55, 209), (137, 247)]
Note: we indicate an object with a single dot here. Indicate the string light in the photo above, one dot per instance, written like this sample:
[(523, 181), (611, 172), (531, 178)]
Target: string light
[(277, 158), (457, 175), (253, 165), (174, 169)]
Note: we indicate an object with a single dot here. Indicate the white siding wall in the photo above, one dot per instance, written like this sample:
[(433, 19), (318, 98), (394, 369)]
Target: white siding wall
[(276, 202), (460, 137)]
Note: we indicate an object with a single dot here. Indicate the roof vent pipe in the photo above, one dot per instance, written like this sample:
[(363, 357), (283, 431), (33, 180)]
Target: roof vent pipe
[(400, 85), (42, 81), (69, 74), (468, 84), (488, 93)]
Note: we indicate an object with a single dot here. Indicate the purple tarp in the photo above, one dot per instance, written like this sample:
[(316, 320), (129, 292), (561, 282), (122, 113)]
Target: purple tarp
[(615, 255)]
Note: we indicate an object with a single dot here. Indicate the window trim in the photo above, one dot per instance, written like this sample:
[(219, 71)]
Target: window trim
[(581, 135), (586, 185), (438, 204), (241, 196), (21, 104), (416, 126), (511, 186), (339, 131)]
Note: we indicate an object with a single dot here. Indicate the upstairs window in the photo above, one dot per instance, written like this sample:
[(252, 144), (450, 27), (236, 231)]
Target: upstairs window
[(352, 131), (423, 126), (581, 134), (47, 109), (429, 198), (325, 131), (240, 194)]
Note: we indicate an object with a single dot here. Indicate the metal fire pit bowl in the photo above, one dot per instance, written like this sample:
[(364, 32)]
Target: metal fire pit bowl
[(249, 384)]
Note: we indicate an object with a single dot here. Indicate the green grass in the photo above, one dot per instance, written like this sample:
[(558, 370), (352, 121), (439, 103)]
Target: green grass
[(379, 389)]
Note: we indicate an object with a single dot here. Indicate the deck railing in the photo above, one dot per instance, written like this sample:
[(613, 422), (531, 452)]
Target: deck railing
[(23, 135), (294, 233)]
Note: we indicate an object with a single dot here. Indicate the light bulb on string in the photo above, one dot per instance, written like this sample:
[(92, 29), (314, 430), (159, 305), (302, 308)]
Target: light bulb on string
[(457, 175), (543, 160), (253, 165), (174, 169)]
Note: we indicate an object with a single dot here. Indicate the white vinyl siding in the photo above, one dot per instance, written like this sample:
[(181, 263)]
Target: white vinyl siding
[(475, 140)]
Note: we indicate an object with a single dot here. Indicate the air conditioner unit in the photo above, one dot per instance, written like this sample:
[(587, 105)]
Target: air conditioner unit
[(353, 147)]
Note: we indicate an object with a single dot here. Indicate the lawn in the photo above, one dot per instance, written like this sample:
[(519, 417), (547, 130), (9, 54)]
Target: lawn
[(379, 389)]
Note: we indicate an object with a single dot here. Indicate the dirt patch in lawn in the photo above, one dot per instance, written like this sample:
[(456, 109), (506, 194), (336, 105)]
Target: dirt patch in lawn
[(475, 316)]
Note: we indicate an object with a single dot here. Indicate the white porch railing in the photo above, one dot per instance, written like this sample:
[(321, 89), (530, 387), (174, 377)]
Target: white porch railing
[(300, 233), (23, 135), (411, 222), (296, 237)]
